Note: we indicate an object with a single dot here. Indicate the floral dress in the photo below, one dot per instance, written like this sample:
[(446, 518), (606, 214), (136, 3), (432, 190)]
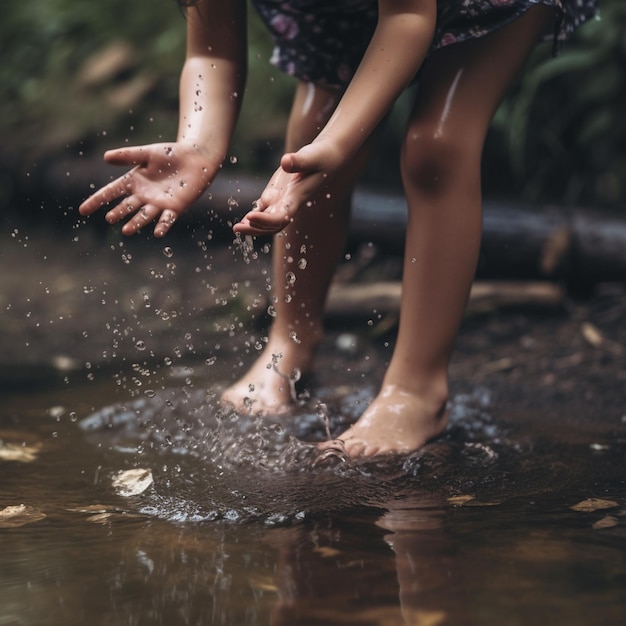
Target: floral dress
[(323, 41)]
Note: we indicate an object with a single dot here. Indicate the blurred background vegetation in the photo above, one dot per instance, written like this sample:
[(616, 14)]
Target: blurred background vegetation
[(84, 77)]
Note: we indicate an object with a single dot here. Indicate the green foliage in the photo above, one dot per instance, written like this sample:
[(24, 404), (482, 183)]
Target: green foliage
[(44, 45), (564, 124), (47, 103)]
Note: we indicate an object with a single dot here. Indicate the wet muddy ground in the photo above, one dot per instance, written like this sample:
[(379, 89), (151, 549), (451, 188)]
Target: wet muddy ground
[(111, 355)]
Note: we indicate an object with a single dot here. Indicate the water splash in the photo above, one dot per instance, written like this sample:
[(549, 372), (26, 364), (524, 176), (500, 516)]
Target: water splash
[(210, 463)]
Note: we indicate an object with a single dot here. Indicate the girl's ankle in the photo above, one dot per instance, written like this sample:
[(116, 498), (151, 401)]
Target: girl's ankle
[(432, 390)]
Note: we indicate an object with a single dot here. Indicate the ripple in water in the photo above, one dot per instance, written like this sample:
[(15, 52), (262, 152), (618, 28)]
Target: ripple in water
[(215, 464)]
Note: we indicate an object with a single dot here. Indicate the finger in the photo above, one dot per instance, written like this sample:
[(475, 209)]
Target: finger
[(133, 155), (165, 222), (270, 217), (123, 209), (258, 223), (246, 229), (304, 161), (112, 191), (144, 215)]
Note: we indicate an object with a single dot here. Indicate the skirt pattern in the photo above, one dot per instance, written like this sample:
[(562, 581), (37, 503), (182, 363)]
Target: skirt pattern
[(323, 41)]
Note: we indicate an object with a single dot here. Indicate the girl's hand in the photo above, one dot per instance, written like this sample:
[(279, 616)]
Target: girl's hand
[(299, 180), (165, 180)]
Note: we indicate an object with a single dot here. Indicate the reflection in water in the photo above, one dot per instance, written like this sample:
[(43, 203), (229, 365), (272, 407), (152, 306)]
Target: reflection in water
[(240, 528)]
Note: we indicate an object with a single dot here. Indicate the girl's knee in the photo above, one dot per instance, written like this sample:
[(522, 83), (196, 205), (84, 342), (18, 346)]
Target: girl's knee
[(433, 157)]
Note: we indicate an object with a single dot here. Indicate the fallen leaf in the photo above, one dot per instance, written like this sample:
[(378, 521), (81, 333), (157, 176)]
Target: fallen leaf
[(591, 334), (100, 518), (327, 552), (460, 500), (93, 508), (22, 453), (132, 482), (593, 504), (264, 583), (14, 516), (608, 521)]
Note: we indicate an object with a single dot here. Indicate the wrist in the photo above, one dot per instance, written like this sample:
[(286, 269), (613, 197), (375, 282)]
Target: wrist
[(332, 152), (204, 152)]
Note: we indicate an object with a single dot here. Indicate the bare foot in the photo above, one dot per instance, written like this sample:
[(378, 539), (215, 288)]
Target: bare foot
[(269, 386), (398, 421)]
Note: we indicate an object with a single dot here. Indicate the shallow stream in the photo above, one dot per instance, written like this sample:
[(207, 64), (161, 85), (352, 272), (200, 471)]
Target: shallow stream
[(239, 526)]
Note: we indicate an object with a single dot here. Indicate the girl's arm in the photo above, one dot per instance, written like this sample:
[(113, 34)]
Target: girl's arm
[(400, 42), (167, 177), (213, 77)]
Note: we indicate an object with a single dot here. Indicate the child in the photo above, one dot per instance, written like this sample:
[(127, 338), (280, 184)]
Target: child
[(352, 58)]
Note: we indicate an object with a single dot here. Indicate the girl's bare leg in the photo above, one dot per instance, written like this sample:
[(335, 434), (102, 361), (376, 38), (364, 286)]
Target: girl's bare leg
[(305, 255), (460, 89)]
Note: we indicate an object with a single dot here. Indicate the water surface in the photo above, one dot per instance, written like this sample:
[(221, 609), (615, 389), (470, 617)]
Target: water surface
[(240, 527)]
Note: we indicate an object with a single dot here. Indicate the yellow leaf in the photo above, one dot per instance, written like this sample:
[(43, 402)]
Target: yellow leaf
[(92, 508), (592, 335), (132, 482), (14, 516), (100, 518), (327, 552), (593, 504), (460, 500), (264, 583), (608, 521), (23, 454)]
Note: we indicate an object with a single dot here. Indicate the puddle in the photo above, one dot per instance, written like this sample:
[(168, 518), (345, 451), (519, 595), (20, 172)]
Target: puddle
[(238, 526)]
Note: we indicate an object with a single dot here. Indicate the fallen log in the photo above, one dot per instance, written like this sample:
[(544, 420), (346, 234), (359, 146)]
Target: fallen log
[(572, 245), (359, 300)]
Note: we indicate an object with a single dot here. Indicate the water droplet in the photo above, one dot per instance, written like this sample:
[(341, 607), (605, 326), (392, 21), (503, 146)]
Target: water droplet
[(168, 252), (140, 345), (296, 374), (233, 159), (302, 264), (290, 277)]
